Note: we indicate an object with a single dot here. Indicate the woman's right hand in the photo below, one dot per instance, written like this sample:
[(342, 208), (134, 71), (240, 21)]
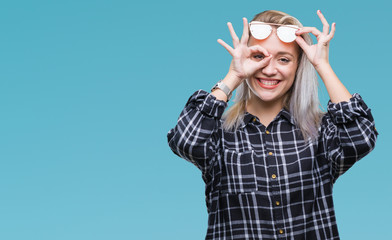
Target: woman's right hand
[(244, 64)]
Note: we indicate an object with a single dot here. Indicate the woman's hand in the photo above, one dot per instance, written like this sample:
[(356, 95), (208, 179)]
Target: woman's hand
[(318, 56), (317, 53), (242, 66)]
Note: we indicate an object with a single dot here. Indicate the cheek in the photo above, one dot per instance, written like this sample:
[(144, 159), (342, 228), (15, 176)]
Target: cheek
[(289, 72)]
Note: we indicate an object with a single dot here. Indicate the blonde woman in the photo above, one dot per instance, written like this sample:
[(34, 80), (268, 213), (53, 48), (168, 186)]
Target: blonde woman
[(270, 161)]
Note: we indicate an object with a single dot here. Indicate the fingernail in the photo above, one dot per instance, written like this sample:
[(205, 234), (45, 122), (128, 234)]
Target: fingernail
[(319, 11)]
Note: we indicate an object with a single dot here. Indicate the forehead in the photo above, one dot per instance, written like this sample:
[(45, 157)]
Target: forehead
[(274, 45)]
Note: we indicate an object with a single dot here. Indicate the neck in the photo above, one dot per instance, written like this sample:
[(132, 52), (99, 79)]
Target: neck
[(265, 111)]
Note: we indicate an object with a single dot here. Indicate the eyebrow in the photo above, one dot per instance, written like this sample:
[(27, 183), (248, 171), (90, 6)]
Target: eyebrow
[(282, 53)]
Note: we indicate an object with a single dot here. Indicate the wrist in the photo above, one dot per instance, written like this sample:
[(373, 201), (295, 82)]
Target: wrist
[(224, 88), (232, 80), (230, 83), (322, 67), (219, 94)]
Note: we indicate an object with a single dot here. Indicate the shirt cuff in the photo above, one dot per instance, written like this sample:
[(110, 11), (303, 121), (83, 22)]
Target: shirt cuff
[(344, 112), (207, 103)]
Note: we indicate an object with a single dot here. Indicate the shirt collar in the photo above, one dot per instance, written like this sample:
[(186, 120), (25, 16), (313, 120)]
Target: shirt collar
[(248, 117)]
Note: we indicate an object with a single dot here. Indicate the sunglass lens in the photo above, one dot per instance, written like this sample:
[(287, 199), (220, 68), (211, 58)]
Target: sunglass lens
[(286, 34), (260, 31)]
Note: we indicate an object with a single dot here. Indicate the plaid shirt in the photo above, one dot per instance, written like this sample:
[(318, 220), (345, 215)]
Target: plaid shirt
[(267, 182)]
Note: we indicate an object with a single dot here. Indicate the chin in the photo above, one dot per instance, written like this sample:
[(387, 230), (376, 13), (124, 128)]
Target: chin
[(267, 97)]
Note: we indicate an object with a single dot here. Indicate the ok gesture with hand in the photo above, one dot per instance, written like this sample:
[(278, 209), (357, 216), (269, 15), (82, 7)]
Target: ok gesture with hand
[(317, 53), (242, 65)]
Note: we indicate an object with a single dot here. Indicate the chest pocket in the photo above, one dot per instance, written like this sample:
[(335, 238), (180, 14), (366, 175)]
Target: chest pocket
[(238, 173)]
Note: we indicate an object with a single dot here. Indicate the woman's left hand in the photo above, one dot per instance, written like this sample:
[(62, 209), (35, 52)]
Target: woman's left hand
[(317, 53)]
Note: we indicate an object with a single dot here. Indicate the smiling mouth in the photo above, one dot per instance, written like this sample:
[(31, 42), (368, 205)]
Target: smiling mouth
[(268, 83)]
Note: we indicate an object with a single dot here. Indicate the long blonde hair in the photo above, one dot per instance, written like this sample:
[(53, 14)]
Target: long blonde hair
[(301, 100)]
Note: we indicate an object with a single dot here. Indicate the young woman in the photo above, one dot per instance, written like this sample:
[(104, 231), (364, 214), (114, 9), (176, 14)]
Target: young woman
[(270, 161)]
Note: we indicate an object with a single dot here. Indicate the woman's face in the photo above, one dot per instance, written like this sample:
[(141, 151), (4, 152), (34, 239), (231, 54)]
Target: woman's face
[(273, 81)]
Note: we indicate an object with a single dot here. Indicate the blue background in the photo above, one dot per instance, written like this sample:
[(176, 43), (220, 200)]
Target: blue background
[(89, 90)]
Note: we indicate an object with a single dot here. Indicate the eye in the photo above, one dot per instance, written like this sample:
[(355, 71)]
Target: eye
[(285, 60), (259, 56)]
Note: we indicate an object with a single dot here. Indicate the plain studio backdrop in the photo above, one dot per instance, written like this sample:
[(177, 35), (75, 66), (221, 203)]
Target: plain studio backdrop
[(89, 90)]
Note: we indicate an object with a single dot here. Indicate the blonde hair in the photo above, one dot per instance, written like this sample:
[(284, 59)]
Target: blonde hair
[(301, 100)]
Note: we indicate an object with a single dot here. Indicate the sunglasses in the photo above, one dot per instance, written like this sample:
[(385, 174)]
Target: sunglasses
[(261, 30)]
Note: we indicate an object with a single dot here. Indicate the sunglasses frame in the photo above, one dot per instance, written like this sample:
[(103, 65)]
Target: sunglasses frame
[(275, 24)]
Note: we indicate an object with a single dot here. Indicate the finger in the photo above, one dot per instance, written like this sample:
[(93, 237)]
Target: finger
[(259, 49), (312, 30), (262, 64), (332, 33), (324, 21), (236, 41), (245, 33), (304, 45), (227, 46)]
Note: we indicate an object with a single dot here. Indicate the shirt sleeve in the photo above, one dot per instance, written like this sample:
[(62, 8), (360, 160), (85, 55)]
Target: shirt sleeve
[(196, 137), (348, 134)]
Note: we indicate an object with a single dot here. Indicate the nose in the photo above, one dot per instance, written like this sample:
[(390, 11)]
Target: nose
[(270, 69)]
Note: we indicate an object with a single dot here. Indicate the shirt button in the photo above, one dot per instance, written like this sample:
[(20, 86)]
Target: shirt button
[(270, 153), (273, 176), (277, 203), (267, 132), (281, 231)]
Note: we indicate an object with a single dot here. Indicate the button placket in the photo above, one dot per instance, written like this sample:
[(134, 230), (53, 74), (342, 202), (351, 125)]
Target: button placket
[(273, 173)]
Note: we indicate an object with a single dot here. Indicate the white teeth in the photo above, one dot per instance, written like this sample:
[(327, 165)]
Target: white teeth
[(269, 83)]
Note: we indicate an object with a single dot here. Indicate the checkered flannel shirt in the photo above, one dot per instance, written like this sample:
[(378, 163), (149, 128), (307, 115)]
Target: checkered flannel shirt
[(267, 182)]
